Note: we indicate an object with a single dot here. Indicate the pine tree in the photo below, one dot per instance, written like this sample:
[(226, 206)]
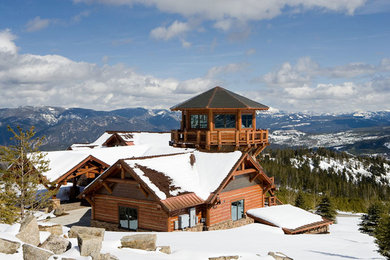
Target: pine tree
[(326, 209), (371, 219), (300, 202), (22, 177), (382, 235)]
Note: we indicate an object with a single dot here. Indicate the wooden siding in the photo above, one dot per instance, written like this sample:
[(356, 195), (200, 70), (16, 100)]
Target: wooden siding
[(150, 214), (252, 196)]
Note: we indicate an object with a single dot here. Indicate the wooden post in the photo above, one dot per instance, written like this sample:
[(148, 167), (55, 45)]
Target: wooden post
[(254, 119), (210, 120), (237, 138), (198, 137), (208, 140), (219, 138), (185, 135), (208, 215), (239, 120)]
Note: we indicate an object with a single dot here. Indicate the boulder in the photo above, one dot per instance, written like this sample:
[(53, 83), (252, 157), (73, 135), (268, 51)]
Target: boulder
[(108, 256), (56, 244), (76, 230), (89, 245), (164, 249), (140, 241), (31, 252), (29, 231), (231, 257), (54, 229), (59, 212), (8, 246), (279, 256)]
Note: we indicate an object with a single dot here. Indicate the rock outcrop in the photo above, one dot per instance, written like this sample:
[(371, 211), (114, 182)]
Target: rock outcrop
[(8, 246), (77, 230), (56, 244), (140, 241), (29, 231), (31, 252)]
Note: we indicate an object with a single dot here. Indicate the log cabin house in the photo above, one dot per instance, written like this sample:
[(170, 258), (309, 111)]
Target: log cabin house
[(209, 188)]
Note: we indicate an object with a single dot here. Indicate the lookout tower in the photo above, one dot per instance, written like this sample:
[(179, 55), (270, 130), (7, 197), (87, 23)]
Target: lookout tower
[(220, 120)]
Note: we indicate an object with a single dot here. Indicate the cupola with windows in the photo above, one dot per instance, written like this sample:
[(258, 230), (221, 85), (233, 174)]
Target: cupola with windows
[(220, 120)]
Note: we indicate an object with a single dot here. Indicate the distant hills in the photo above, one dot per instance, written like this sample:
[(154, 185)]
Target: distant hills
[(367, 132)]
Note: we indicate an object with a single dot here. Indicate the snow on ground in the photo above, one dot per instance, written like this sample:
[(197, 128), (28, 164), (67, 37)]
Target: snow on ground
[(285, 216), (250, 241)]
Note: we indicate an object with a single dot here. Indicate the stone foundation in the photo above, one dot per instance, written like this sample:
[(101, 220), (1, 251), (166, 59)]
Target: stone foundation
[(106, 225), (199, 227), (231, 224)]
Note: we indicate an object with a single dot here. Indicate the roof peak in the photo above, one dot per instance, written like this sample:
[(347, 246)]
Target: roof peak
[(219, 97)]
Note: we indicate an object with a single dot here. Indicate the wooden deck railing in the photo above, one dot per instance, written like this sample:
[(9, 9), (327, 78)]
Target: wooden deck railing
[(219, 137)]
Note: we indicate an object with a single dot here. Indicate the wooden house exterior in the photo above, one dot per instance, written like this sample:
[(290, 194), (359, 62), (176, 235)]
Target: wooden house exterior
[(221, 120), (122, 199)]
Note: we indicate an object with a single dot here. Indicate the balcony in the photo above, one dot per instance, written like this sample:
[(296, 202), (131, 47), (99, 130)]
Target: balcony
[(218, 138)]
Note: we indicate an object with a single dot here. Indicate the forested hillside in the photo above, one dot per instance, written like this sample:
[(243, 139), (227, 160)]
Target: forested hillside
[(352, 182)]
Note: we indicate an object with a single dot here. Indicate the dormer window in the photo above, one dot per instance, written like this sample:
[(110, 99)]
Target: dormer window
[(225, 121), (246, 121), (198, 121)]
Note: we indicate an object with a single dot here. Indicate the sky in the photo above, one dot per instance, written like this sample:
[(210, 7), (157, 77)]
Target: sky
[(314, 56)]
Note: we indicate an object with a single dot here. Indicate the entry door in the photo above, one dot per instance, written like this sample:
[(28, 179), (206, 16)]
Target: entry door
[(128, 218)]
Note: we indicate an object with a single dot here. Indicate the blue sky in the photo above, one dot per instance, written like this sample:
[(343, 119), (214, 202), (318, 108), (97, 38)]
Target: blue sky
[(301, 55)]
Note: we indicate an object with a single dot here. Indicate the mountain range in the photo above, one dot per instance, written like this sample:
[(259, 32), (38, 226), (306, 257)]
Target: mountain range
[(361, 133)]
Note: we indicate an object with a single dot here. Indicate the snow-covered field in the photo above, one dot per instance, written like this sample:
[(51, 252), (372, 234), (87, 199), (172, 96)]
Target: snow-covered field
[(253, 241)]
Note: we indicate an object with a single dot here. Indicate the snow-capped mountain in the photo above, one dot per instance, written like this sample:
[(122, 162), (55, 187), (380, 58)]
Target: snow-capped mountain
[(359, 132)]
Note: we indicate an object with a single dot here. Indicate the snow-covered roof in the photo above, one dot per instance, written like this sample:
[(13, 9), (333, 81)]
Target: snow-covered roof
[(173, 175), (145, 144), (285, 216)]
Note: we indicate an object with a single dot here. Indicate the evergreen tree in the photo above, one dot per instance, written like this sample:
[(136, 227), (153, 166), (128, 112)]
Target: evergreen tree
[(300, 201), (22, 177), (326, 209), (371, 219), (382, 235)]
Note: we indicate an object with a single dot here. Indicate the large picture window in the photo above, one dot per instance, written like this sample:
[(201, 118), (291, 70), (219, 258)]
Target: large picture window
[(198, 121), (225, 121), (237, 210), (128, 218), (246, 121)]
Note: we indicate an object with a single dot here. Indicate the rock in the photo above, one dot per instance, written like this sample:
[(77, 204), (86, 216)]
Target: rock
[(164, 249), (8, 246), (29, 231), (108, 256), (31, 252), (75, 230), (59, 212), (56, 244), (140, 241), (68, 258), (279, 256), (54, 229), (224, 257), (89, 245)]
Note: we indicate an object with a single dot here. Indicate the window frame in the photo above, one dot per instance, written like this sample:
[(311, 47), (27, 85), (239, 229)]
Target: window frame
[(237, 210), (224, 120), (199, 123), (242, 121)]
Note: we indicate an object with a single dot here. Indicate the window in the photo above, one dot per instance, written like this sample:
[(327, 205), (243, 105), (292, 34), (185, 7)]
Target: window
[(246, 121), (128, 218), (198, 121), (225, 121), (237, 210)]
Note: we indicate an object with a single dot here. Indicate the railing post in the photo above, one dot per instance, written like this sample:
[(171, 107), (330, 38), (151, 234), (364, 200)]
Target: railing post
[(237, 138), (198, 137), (219, 138), (185, 136), (208, 140)]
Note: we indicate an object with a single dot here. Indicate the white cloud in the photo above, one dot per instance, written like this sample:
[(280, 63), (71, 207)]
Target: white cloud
[(7, 44), (226, 69), (37, 24), (307, 86), (250, 51), (27, 79), (244, 10), (77, 18), (165, 33)]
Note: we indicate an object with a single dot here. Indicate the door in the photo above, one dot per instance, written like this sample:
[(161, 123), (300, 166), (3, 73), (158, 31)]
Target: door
[(128, 218)]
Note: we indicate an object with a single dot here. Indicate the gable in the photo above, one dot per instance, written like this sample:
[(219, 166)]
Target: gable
[(241, 181)]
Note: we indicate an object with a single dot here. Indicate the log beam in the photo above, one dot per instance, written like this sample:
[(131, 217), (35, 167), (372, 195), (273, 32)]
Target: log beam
[(121, 181), (107, 187)]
